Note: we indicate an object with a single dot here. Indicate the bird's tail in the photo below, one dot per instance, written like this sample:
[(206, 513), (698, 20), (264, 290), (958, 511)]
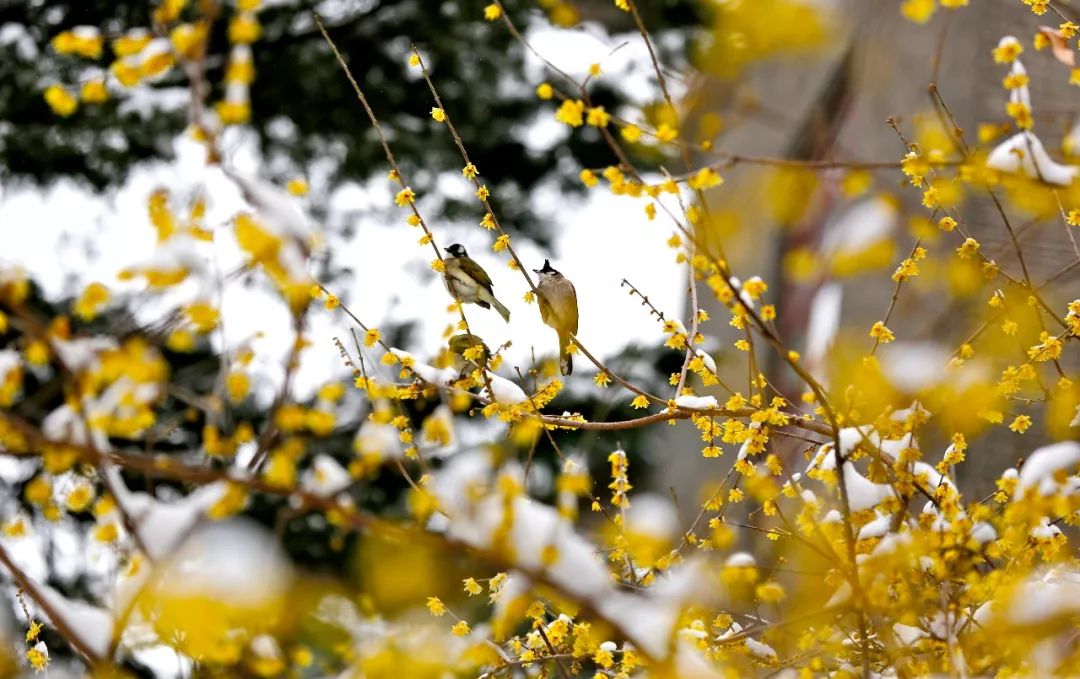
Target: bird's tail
[(566, 359), (503, 311)]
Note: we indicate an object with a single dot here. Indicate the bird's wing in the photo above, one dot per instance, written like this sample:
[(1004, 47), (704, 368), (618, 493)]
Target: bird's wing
[(476, 272), (571, 304)]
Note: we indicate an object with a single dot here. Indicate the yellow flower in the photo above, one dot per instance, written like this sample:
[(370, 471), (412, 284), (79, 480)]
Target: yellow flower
[(203, 316), (131, 43), (968, 249), (492, 12), (297, 186), (187, 39), (640, 401), (571, 112), (488, 222), (371, 337), (332, 302), (482, 192), (93, 297), (80, 497), (38, 657), (436, 606), (244, 28), (598, 117), (62, 102), (83, 41), (460, 628), (918, 11), (1007, 50), (1015, 81), (770, 592), (405, 197), (545, 91), (631, 133), (705, 178), (238, 384), (414, 60), (881, 332), (107, 532), (469, 171), (666, 133), (37, 352), (755, 287), (946, 223), (181, 341), (94, 91), (588, 178), (438, 115), (1020, 424), (602, 379)]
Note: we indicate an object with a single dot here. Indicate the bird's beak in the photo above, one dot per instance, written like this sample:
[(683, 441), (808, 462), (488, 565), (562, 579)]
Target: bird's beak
[(536, 271)]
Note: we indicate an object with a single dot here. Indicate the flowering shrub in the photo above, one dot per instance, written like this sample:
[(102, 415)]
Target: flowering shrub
[(832, 538)]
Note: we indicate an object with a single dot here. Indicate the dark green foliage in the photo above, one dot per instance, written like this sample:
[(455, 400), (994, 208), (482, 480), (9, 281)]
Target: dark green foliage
[(303, 110)]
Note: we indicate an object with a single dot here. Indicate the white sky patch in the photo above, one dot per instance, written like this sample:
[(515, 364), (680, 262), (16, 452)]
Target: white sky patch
[(623, 58)]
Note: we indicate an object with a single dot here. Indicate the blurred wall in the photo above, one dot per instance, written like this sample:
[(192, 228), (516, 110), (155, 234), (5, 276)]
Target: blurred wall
[(835, 105)]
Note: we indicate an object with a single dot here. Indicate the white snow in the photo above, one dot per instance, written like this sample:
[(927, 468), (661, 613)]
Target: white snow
[(325, 476), (741, 560), (914, 366), (1023, 152), (1039, 469), (907, 634), (426, 372), (504, 391), (236, 561), (65, 424), (864, 224), (276, 208), (760, 649), (163, 526), (652, 514), (93, 625), (9, 360), (378, 440), (1019, 95), (538, 531), (983, 532), (824, 321), (876, 528), (81, 354), (863, 493), (697, 402), (710, 364), (1042, 598)]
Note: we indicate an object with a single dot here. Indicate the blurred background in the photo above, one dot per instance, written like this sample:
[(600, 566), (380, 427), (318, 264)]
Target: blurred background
[(788, 99)]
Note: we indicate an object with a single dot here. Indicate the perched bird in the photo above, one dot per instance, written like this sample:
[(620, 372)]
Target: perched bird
[(467, 282), (465, 359), (558, 309)]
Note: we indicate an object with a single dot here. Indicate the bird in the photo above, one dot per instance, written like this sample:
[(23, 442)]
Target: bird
[(468, 283), (460, 344), (558, 310)]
